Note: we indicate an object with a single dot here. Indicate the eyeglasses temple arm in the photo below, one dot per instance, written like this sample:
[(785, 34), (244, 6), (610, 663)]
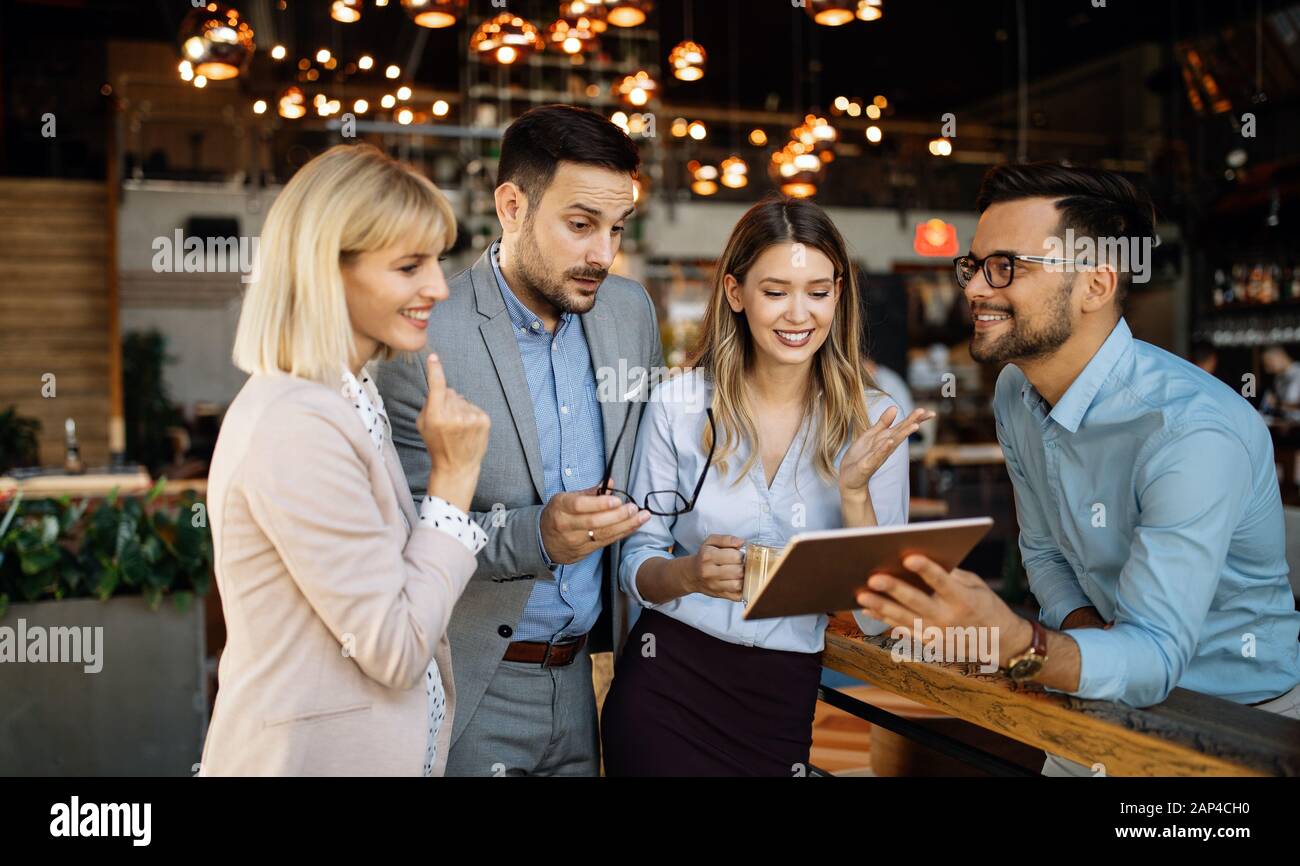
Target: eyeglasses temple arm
[(713, 444), (609, 464)]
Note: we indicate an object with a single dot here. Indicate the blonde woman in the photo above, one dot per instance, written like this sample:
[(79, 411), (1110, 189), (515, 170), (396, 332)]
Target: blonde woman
[(777, 429), (336, 590)]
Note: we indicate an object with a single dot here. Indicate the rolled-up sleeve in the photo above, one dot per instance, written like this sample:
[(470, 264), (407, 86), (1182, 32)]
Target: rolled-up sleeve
[(654, 467), (1190, 493)]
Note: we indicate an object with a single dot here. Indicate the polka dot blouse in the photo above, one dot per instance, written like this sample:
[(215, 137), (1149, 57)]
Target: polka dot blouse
[(435, 514)]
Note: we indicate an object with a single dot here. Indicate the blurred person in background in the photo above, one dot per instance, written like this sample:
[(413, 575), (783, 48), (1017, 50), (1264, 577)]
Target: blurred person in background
[(1282, 399)]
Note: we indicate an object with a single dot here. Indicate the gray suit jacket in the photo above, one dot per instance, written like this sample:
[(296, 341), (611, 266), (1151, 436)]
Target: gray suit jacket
[(472, 335)]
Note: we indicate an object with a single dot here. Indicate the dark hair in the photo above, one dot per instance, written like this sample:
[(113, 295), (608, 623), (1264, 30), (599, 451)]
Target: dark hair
[(1095, 203), (1202, 351), (543, 137)]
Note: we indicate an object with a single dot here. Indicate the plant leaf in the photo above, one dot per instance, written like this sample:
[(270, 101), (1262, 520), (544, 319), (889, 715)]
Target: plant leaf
[(155, 490), (9, 514)]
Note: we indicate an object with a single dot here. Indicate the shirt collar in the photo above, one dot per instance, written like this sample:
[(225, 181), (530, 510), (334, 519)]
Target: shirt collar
[(521, 318), (1074, 404), (364, 397)]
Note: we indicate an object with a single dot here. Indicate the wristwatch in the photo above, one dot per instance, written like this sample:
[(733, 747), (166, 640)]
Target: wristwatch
[(1030, 663)]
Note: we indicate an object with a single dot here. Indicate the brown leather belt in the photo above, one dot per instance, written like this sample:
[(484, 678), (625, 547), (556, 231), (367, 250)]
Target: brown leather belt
[(548, 655)]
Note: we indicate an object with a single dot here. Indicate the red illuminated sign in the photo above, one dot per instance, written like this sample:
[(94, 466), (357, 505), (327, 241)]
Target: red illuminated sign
[(936, 238)]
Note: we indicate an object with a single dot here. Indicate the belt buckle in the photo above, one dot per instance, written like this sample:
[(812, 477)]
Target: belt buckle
[(552, 644)]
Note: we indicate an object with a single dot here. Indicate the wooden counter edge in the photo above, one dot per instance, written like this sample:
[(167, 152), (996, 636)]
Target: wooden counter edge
[(1189, 735)]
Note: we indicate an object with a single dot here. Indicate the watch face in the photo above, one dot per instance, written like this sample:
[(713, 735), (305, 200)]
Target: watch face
[(1025, 668)]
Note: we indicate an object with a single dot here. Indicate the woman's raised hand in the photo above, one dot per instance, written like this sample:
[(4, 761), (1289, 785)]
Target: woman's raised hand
[(870, 450), (455, 432)]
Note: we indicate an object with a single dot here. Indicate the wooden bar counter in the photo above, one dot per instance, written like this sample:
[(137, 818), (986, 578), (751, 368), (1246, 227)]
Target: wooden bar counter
[(1190, 734)]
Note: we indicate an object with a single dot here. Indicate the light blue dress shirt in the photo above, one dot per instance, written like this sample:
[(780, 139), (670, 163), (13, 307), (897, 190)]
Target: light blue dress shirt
[(572, 439), (669, 457), (1149, 492)]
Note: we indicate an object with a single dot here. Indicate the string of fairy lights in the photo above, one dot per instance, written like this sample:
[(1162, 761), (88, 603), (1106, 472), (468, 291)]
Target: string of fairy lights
[(217, 43)]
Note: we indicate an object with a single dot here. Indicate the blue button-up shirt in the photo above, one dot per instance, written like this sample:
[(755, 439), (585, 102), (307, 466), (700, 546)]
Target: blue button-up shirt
[(572, 439), (1149, 492)]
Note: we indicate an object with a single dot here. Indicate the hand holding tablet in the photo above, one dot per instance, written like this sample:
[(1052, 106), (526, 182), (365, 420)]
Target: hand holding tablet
[(818, 572)]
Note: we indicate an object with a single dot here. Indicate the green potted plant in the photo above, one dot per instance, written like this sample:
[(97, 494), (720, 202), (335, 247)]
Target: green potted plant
[(147, 407), (101, 615), (19, 440)]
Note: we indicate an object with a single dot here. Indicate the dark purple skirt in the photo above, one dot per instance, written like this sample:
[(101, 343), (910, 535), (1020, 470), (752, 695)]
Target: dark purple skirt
[(705, 707)]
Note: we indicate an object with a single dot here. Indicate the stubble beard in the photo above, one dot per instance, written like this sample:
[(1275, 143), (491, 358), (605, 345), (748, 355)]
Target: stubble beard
[(531, 267), (1021, 344)]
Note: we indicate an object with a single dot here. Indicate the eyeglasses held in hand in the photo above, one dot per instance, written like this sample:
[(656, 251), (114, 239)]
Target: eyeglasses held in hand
[(662, 503)]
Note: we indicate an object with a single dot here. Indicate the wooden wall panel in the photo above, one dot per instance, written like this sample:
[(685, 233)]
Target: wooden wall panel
[(54, 309)]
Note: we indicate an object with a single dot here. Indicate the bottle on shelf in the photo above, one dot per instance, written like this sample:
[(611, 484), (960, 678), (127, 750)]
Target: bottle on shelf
[(72, 454), (1255, 284), (1272, 284), (1237, 287)]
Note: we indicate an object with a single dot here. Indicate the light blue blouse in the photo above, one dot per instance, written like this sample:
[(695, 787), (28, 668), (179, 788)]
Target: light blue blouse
[(668, 457)]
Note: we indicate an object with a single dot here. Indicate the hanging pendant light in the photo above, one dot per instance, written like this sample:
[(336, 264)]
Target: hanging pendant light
[(941, 146), (293, 104), (346, 11), (688, 57), (636, 90), (817, 134), (870, 10), (634, 124), (735, 172), (626, 13), (505, 39), (572, 36), (704, 178), (796, 170), (593, 11), (216, 41), (687, 60), (434, 14), (832, 13)]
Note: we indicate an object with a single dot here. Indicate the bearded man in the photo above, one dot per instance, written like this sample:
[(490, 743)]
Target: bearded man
[(525, 335)]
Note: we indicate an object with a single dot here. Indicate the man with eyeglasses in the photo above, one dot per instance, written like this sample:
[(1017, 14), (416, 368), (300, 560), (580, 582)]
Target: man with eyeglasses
[(1149, 509)]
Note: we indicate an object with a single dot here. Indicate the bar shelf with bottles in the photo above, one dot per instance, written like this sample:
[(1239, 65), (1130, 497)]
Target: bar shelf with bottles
[(1253, 303), (1250, 285)]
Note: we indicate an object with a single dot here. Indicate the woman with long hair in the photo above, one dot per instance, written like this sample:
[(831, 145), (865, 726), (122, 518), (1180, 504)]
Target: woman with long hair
[(336, 589), (799, 439)]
